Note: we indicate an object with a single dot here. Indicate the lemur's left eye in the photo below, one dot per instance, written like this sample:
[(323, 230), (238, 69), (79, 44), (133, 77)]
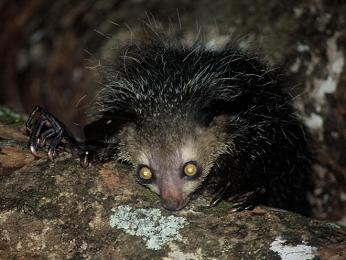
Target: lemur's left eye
[(190, 169), (145, 173)]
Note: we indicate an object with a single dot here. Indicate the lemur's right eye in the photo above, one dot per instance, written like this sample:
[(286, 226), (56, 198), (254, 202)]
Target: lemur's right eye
[(190, 169), (145, 173)]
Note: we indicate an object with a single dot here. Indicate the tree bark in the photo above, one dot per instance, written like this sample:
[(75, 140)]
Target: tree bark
[(58, 210)]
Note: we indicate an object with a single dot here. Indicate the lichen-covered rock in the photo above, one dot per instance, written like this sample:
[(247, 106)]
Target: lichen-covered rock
[(58, 210)]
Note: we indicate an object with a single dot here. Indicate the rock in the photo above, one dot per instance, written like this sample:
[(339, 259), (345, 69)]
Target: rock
[(10, 133), (61, 210), (12, 158)]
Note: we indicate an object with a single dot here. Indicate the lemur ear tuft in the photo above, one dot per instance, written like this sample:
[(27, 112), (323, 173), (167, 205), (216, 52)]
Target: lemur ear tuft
[(218, 107)]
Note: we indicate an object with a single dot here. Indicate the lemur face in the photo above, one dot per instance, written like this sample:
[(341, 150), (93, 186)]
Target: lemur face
[(173, 165)]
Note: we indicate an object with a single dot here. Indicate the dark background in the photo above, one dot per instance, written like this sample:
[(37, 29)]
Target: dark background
[(50, 50)]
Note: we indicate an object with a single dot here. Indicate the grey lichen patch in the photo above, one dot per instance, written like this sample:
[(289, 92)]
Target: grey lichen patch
[(290, 252), (149, 224)]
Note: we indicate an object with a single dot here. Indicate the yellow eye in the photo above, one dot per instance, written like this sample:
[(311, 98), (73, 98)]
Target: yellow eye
[(145, 173), (190, 169)]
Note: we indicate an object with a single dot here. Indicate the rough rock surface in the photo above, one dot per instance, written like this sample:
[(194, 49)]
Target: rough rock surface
[(58, 210)]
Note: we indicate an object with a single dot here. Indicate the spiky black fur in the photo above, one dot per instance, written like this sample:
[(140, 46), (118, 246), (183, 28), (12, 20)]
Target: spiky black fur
[(167, 84)]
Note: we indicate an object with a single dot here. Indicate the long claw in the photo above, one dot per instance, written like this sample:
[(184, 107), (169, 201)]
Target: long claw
[(31, 118), (84, 159), (52, 150), (44, 136), (51, 154), (43, 126), (33, 150), (220, 195), (245, 201)]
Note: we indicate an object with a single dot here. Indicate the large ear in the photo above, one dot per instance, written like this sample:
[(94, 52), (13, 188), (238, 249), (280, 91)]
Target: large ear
[(107, 126), (232, 107)]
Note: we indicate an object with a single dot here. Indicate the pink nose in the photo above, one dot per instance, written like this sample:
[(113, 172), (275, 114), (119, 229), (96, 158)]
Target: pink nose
[(172, 199), (172, 204)]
